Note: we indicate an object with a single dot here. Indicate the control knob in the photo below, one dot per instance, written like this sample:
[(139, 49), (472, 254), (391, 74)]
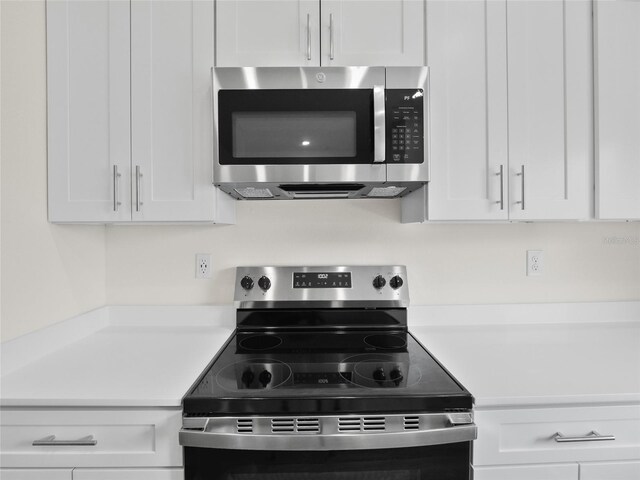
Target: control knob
[(265, 378), (379, 282), (264, 283), (247, 378), (379, 375), (396, 376), (396, 282), (246, 282)]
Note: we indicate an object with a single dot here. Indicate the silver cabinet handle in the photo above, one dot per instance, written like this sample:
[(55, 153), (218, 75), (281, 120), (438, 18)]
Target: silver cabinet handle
[(138, 192), (308, 36), (379, 135), (593, 436), (116, 188), (521, 175), (331, 51), (50, 441), (501, 175)]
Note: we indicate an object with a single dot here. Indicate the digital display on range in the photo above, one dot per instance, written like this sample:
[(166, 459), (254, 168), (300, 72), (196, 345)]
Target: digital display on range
[(322, 280), (321, 378)]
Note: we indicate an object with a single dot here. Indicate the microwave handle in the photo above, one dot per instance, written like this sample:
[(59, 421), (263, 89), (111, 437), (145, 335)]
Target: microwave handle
[(379, 117)]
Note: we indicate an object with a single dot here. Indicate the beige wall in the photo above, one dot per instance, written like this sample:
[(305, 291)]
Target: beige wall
[(457, 263), (49, 272), (52, 272)]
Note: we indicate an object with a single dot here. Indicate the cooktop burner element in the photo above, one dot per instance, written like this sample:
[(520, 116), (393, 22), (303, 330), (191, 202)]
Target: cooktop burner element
[(323, 340)]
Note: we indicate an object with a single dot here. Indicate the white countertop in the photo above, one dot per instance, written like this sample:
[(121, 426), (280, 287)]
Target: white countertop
[(504, 355), (136, 359), (545, 354)]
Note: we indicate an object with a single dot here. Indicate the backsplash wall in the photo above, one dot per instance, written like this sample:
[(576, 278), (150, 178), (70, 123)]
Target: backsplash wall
[(447, 263)]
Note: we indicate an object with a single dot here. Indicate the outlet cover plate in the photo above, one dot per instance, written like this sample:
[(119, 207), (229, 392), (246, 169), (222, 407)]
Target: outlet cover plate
[(535, 263)]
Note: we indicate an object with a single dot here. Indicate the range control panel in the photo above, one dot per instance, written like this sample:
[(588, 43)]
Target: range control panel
[(334, 286), (404, 125)]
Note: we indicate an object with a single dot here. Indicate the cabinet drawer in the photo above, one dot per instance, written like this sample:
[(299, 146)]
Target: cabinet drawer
[(125, 438), (128, 474), (526, 472), (528, 435), (35, 474), (610, 471)]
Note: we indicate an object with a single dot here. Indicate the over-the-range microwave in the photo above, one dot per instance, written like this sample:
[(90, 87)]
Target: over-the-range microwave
[(316, 132)]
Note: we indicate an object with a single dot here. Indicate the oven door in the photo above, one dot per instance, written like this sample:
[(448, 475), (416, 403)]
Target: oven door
[(425, 446), (436, 462), (299, 125)]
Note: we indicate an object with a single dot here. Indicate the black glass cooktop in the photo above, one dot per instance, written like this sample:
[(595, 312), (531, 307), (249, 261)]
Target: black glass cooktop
[(312, 372)]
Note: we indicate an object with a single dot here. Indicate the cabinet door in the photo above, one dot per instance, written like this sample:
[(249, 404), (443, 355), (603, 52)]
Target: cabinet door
[(527, 472), (610, 471), (372, 32), (171, 58), (550, 109), (128, 474), (617, 53), (264, 33), (466, 54), (88, 111), (35, 474)]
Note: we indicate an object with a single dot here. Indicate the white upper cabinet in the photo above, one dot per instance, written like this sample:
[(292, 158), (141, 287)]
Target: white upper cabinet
[(88, 111), (130, 128), (511, 110), (260, 33), (466, 54), (172, 54), (550, 105), (375, 32), (617, 88)]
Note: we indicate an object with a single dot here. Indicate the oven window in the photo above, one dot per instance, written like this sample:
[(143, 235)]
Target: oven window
[(438, 462), (294, 134), (295, 127)]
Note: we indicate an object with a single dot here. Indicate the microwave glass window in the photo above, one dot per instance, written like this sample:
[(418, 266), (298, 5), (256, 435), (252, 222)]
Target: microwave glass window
[(291, 134)]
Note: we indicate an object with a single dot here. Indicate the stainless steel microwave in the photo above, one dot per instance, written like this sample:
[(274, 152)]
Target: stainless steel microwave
[(315, 132)]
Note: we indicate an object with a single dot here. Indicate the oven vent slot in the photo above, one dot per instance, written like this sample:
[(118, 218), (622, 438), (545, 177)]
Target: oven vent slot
[(295, 425), (412, 423), (361, 424), (244, 425)]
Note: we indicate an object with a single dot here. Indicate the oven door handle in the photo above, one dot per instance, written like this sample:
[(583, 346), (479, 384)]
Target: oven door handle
[(331, 441), (379, 119)]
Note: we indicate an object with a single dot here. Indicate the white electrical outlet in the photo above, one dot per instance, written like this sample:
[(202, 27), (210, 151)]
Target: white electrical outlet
[(535, 263), (203, 265)]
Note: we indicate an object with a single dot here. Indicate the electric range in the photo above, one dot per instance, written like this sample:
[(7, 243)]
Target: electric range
[(322, 363)]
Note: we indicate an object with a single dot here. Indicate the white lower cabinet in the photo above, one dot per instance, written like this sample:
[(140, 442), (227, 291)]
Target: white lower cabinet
[(128, 438), (527, 472), (128, 474), (610, 471), (35, 474), (558, 443)]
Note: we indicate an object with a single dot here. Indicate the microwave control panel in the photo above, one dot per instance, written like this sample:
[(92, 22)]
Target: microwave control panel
[(404, 125)]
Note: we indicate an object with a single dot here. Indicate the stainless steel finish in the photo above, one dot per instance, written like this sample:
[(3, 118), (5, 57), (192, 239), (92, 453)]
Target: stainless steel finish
[(335, 432), (521, 175), (331, 47), (361, 294), (593, 436), (411, 77), (501, 175), (138, 191), (379, 118), (269, 78), (116, 188), (308, 36), (50, 441)]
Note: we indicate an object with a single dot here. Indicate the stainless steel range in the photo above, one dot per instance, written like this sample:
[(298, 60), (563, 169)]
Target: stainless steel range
[(322, 380)]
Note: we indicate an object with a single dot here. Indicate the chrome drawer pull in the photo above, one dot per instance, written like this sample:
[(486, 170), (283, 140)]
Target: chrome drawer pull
[(50, 441), (593, 436)]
